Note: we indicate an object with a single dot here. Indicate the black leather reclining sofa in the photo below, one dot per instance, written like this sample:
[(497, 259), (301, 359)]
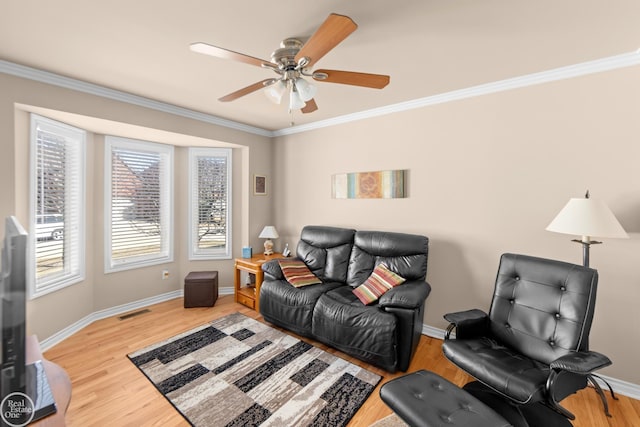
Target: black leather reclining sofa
[(385, 333)]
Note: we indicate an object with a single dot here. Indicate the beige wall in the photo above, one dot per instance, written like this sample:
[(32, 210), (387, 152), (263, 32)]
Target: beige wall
[(486, 176), (52, 313)]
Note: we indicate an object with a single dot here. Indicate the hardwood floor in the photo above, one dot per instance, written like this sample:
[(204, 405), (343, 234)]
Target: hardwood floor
[(108, 390)]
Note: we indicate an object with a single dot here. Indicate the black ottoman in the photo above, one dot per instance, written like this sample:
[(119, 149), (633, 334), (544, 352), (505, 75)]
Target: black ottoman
[(426, 399), (200, 289)]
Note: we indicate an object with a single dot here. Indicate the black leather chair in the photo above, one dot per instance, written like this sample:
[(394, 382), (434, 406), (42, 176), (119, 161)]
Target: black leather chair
[(533, 346)]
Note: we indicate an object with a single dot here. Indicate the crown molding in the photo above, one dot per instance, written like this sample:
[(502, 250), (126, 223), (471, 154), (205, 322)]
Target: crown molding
[(562, 73), (23, 71)]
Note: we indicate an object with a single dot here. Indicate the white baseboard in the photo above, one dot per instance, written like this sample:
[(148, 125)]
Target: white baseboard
[(619, 386), (432, 332), (114, 311)]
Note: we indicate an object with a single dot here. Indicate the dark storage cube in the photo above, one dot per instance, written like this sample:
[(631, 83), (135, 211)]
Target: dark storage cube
[(200, 289)]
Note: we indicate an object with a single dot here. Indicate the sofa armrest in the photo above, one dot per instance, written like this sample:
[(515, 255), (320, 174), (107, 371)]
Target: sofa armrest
[(469, 323), (272, 270), (410, 295), (581, 362)]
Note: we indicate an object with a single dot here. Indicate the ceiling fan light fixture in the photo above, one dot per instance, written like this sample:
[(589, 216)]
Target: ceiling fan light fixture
[(305, 89), (295, 101), (276, 91)]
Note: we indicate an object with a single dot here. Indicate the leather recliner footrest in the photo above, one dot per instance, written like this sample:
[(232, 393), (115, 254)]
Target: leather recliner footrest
[(426, 399)]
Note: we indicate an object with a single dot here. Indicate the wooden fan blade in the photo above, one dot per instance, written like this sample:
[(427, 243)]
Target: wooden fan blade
[(247, 90), (332, 31), (220, 52), (375, 81), (310, 107)]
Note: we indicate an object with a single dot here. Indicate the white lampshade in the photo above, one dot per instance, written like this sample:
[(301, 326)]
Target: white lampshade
[(305, 89), (275, 91), (269, 232), (588, 218), (295, 102)]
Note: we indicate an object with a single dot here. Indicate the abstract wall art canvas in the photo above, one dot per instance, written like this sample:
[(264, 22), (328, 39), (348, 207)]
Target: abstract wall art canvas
[(369, 185)]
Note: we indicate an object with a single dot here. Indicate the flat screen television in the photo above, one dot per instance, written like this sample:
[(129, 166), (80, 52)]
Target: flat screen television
[(16, 377), (13, 290)]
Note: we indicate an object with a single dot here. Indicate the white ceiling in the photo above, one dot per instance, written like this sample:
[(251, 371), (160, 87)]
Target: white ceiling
[(428, 47)]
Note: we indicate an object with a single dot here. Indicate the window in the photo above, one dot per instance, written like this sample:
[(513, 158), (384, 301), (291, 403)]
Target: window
[(138, 203), (209, 203), (56, 205)]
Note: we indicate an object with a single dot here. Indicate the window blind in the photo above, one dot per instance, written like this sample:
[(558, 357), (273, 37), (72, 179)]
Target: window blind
[(139, 203), (210, 196), (57, 213)]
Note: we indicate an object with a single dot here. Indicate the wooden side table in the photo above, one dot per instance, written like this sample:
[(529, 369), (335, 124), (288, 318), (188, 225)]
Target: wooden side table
[(249, 295)]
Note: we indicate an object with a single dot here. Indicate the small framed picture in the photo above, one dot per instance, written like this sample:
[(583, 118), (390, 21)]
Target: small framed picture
[(259, 185)]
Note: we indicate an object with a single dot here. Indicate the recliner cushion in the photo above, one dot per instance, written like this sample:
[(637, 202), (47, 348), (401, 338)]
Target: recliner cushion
[(291, 307), (405, 254), (542, 308), (366, 332), (506, 371), (325, 250)]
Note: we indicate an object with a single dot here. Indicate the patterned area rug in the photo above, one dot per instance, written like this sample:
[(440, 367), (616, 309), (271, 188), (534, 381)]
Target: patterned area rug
[(237, 371)]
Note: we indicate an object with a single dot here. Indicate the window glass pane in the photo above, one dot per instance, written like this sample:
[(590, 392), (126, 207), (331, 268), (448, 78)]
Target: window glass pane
[(212, 202), (57, 205), (210, 183), (139, 203), (135, 204), (50, 197)]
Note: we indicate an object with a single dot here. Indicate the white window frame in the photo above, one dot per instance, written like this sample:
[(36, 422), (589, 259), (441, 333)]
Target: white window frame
[(165, 255), (73, 270), (196, 253)]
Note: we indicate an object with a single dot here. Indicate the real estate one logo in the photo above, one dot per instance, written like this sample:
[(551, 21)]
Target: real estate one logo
[(17, 409)]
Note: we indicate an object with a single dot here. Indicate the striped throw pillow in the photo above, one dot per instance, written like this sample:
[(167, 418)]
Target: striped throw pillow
[(381, 280), (297, 273)]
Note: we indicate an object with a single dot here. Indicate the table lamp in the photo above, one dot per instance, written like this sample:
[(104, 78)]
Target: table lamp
[(587, 218), (268, 232)]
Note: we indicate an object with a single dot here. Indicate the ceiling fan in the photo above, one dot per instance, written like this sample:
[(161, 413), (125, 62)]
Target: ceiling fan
[(293, 61)]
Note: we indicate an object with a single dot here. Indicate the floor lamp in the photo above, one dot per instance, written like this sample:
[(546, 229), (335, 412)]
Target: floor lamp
[(587, 218)]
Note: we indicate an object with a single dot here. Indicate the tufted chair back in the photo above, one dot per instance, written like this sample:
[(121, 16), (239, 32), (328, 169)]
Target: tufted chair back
[(542, 308), (405, 254), (325, 250)]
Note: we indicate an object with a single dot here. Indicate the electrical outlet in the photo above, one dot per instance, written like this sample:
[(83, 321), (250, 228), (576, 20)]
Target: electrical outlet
[(165, 274)]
